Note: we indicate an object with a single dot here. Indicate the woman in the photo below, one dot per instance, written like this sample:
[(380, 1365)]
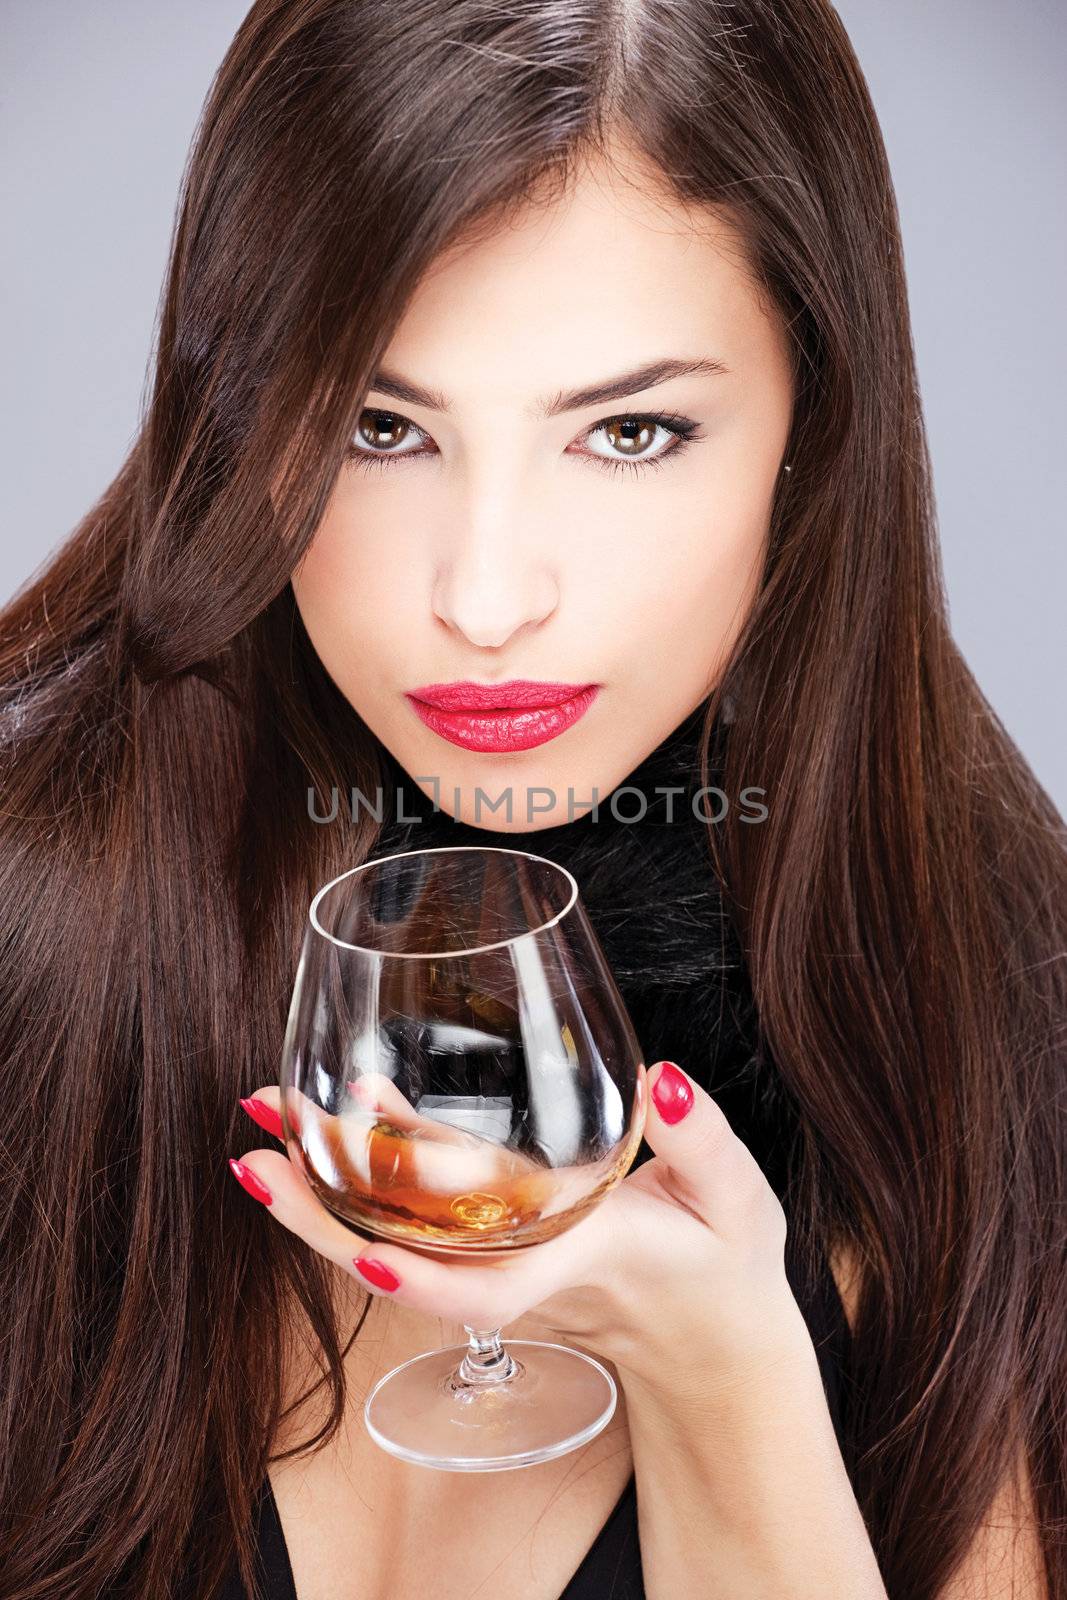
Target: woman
[(626, 285)]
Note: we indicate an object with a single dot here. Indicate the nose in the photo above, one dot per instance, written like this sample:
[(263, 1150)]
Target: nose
[(496, 577)]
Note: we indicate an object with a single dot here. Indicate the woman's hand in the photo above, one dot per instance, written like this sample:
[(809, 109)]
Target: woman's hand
[(677, 1276)]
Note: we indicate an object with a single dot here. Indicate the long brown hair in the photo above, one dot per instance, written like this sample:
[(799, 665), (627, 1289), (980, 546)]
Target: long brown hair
[(163, 714)]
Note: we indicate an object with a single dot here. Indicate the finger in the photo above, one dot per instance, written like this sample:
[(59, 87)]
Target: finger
[(700, 1159), (443, 1161), (279, 1186), (262, 1107), (373, 1091), (485, 1294)]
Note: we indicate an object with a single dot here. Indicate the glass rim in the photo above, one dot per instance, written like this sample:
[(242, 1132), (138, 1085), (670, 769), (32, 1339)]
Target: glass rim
[(440, 955)]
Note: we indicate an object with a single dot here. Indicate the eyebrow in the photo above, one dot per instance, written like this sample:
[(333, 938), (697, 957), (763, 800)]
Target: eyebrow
[(619, 388)]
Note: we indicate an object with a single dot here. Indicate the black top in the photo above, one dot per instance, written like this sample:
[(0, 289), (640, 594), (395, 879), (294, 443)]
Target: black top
[(651, 894)]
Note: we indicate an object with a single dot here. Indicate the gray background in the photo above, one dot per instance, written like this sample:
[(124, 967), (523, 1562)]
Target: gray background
[(99, 103)]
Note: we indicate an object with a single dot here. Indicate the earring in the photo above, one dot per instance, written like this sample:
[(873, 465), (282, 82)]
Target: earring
[(787, 468)]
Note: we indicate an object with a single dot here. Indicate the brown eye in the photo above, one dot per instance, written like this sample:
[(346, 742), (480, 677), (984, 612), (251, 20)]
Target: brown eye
[(630, 436), (382, 430), (639, 440)]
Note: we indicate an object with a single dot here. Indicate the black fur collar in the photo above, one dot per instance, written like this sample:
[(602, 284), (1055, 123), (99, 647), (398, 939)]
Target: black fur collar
[(652, 896)]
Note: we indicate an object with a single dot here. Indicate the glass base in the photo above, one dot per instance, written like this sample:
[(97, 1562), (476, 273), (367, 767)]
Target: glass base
[(555, 1400)]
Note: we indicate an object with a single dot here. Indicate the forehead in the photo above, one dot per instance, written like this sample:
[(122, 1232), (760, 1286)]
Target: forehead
[(613, 272)]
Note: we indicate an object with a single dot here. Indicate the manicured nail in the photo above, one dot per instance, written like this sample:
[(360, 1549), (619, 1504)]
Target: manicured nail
[(248, 1180), (265, 1115), (376, 1272), (672, 1094)]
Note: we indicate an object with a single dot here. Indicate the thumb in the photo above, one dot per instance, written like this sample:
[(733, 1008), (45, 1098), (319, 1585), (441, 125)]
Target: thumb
[(673, 1095), (700, 1159)]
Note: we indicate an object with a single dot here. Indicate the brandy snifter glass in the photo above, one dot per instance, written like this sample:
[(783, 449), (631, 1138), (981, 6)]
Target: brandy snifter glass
[(460, 1075)]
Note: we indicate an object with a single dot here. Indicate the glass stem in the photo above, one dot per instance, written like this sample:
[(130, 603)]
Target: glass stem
[(486, 1361)]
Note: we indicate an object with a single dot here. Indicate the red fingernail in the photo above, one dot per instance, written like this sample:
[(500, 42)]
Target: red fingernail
[(248, 1180), (376, 1272), (672, 1094), (262, 1113)]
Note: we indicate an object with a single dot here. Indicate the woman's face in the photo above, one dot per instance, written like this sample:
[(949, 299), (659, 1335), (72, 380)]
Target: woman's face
[(563, 475)]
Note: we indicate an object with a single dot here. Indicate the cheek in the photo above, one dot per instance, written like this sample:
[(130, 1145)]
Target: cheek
[(352, 584), (687, 568), (351, 554)]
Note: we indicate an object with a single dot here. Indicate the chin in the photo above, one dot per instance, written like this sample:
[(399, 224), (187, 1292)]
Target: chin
[(498, 822)]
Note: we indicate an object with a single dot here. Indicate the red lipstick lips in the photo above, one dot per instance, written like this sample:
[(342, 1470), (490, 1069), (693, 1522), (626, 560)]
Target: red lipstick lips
[(501, 716)]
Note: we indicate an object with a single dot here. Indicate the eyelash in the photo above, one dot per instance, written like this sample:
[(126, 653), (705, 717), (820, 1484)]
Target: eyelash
[(685, 430)]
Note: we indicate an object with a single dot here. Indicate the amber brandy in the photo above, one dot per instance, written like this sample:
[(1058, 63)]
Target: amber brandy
[(443, 1187)]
